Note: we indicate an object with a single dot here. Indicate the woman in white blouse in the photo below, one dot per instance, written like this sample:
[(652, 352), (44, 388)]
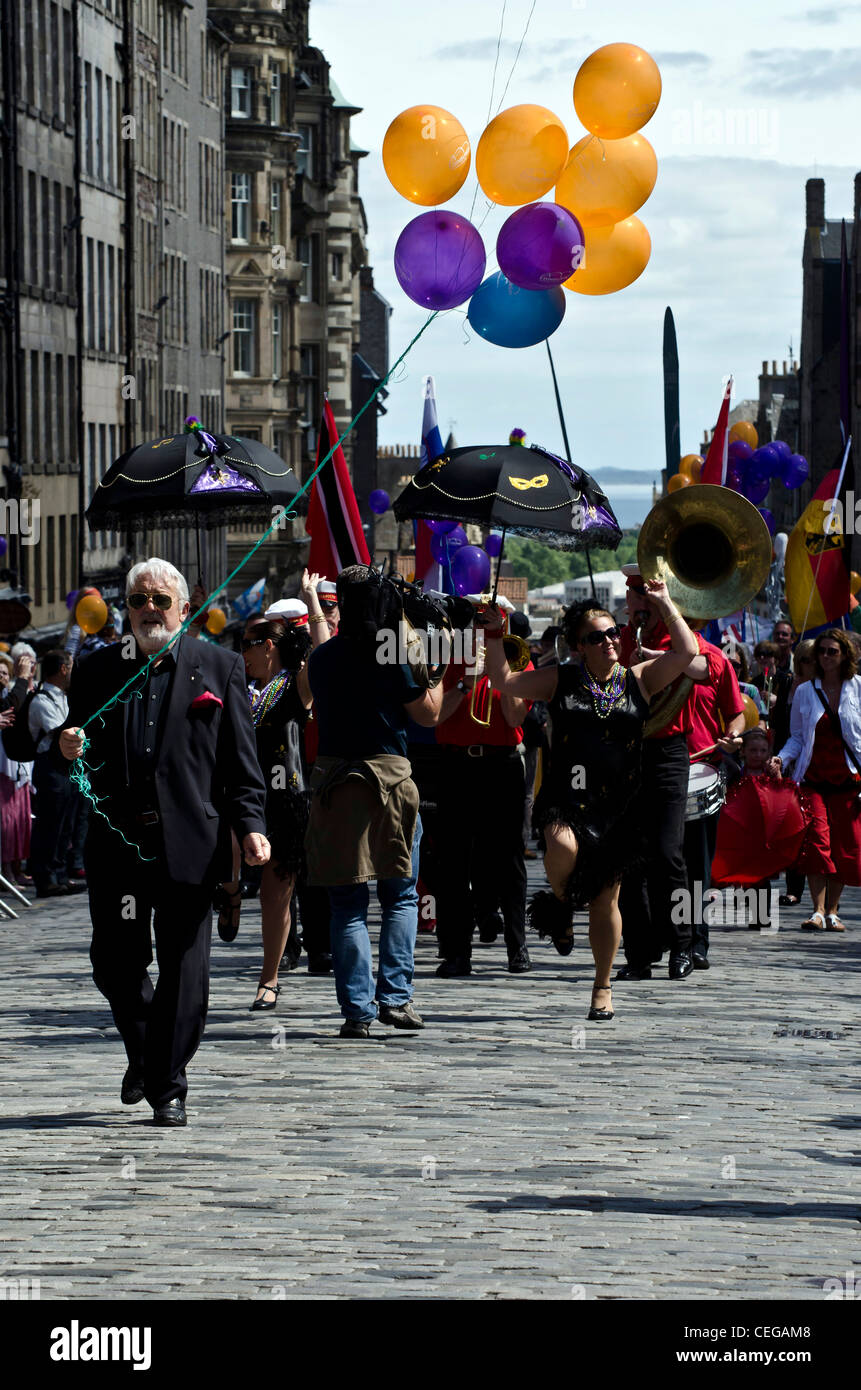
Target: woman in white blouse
[(824, 748)]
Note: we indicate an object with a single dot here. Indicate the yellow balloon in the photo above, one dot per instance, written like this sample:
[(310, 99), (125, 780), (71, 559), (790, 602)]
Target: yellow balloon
[(216, 621), (617, 90), (426, 155), (751, 713), (521, 155), (605, 181), (615, 257), (678, 480), (91, 613), (691, 467), (854, 582), (746, 432)]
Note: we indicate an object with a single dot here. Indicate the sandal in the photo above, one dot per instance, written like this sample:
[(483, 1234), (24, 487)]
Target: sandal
[(596, 1015), (261, 1005), (815, 922), (550, 917), (833, 922), (229, 908)]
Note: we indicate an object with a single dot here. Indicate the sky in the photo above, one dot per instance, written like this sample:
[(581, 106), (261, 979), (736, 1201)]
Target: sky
[(758, 96)]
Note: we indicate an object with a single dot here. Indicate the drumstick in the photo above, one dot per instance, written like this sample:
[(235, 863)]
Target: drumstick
[(703, 752)]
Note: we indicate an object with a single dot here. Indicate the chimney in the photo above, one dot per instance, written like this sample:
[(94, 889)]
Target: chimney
[(774, 369), (815, 195), (857, 202), (784, 370), (765, 369)]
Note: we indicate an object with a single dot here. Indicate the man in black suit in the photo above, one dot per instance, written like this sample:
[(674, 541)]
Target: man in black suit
[(173, 766)]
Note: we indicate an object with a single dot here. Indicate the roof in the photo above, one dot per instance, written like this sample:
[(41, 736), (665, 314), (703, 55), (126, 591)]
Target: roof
[(338, 98)]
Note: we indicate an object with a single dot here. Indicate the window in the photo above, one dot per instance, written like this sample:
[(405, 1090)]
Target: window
[(276, 341), (243, 337), (47, 412), (33, 239), (307, 151), (100, 259), (47, 236), (51, 586), (64, 572), (35, 412), (275, 202), (307, 251), (99, 125), (309, 393), (59, 386), (240, 201), (275, 97), (91, 462), (240, 93), (337, 265)]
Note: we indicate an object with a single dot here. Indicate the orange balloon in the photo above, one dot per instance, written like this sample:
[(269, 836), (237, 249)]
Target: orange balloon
[(746, 432), (691, 467), (677, 481), (216, 621), (426, 155), (521, 155), (751, 713), (91, 613), (605, 181), (615, 257), (854, 582), (617, 90)]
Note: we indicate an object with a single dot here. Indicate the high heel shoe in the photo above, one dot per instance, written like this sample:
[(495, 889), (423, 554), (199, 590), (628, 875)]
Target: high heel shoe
[(262, 1004), (551, 917), (600, 1015)]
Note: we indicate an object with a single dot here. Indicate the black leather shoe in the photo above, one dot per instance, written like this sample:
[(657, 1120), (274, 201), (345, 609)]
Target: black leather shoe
[(132, 1089), (320, 965), (262, 1004), (355, 1028), (519, 963), (681, 965), (172, 1113), (701, 962), (634, 972), (451, 967), (489, 928)]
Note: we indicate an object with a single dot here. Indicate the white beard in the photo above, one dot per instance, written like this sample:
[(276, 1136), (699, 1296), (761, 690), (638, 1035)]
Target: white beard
[(153, 639)]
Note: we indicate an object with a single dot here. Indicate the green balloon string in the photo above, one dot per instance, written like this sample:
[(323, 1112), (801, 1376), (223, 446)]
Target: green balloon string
[(79, 772)]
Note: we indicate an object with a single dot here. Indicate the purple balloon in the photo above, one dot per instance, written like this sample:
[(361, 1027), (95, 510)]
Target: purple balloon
[(70, 599), (795, 471), (540, 246), (739, 452), (756, 487), (444, 547), (766, 461), (734, 479), (379, 501), (439, 259), (781, 447), (442, 528), (768, 518), (493, 545), (470, 570), (4, 545)]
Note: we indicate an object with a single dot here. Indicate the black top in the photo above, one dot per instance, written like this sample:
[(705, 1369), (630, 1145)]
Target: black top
[(146, 723), (359, 702)]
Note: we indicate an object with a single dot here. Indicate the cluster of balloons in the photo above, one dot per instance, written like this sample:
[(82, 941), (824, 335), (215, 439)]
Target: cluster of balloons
[(751, 469), (586, 239), (469, 565)]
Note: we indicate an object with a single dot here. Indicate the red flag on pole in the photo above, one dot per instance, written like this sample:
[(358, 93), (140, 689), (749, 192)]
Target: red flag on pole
[(714, 468), (333, 521)]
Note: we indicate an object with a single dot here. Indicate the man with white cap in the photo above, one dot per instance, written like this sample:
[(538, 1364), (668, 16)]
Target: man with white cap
[(328, 596)]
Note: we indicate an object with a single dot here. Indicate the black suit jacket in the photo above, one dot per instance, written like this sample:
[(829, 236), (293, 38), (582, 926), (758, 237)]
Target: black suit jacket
[(207, 776)]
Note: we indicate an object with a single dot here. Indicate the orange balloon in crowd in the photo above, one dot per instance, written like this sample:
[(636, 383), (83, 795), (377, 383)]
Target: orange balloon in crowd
[(854, 582), (521, 155), (691, 467), (216, 621), (91, 613), (606, 181), (751, 713), (615, 257), (426, 155), (617, 90), (745, 432), (678, 480)]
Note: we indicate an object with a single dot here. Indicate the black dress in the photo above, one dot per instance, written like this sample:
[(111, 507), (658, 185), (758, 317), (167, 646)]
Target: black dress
[(280, 754), (593, 781)]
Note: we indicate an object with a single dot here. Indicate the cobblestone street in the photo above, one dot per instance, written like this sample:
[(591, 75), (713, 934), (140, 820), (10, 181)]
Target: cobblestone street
[(699, 1146)]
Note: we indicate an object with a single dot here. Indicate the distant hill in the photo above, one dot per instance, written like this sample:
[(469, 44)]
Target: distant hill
[(607, 477)]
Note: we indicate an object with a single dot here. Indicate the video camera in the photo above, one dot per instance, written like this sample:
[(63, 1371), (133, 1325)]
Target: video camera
[(391, 604)]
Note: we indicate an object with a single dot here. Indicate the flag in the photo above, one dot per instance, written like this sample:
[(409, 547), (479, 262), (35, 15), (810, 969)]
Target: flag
[(818, 565), (251, 601), (333, 521), (428, 571), (714, 468)]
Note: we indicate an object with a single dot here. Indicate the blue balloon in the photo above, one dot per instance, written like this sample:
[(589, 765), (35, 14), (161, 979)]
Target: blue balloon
[(378, 501), (766, 460), (511, 317), (781, 447), (796, 470), (444, 547), (470, 570)]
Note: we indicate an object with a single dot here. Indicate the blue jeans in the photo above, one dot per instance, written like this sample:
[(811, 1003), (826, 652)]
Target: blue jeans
[(351, 944)]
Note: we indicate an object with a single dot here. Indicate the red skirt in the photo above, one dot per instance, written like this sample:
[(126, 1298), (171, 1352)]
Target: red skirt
[(832, 843), (14, 820)]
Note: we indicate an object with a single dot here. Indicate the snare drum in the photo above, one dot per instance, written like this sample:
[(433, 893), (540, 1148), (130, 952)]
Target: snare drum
[(706, 791)]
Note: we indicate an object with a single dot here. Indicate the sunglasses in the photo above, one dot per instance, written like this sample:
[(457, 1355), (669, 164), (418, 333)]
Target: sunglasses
[(608, 634), (829, 651), (248, 642), (162, 601), (328, 603)]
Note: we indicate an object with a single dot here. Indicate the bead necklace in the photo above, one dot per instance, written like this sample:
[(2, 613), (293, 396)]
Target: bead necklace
[(262, 701), (605, 694)]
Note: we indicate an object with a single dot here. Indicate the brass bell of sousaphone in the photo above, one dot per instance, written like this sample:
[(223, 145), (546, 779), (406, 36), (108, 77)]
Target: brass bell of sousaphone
[(711, 548)]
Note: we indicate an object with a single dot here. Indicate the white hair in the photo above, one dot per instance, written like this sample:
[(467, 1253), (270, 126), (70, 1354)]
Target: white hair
[(162, 572), (22, 649)]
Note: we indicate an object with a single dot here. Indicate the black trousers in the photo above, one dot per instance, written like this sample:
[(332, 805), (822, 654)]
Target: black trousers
[(700, 842), (647, 900), (161, 1027), (55, 804), (314, 918), (479, 836)]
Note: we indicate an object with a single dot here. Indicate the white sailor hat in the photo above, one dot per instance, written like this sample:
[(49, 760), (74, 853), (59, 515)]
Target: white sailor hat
[(327, 586), (291, 610)]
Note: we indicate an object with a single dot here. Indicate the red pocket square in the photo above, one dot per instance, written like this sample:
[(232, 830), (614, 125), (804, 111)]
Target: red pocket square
[(207, 698)]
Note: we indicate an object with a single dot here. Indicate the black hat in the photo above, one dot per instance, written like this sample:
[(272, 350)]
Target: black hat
[(519, 625)]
